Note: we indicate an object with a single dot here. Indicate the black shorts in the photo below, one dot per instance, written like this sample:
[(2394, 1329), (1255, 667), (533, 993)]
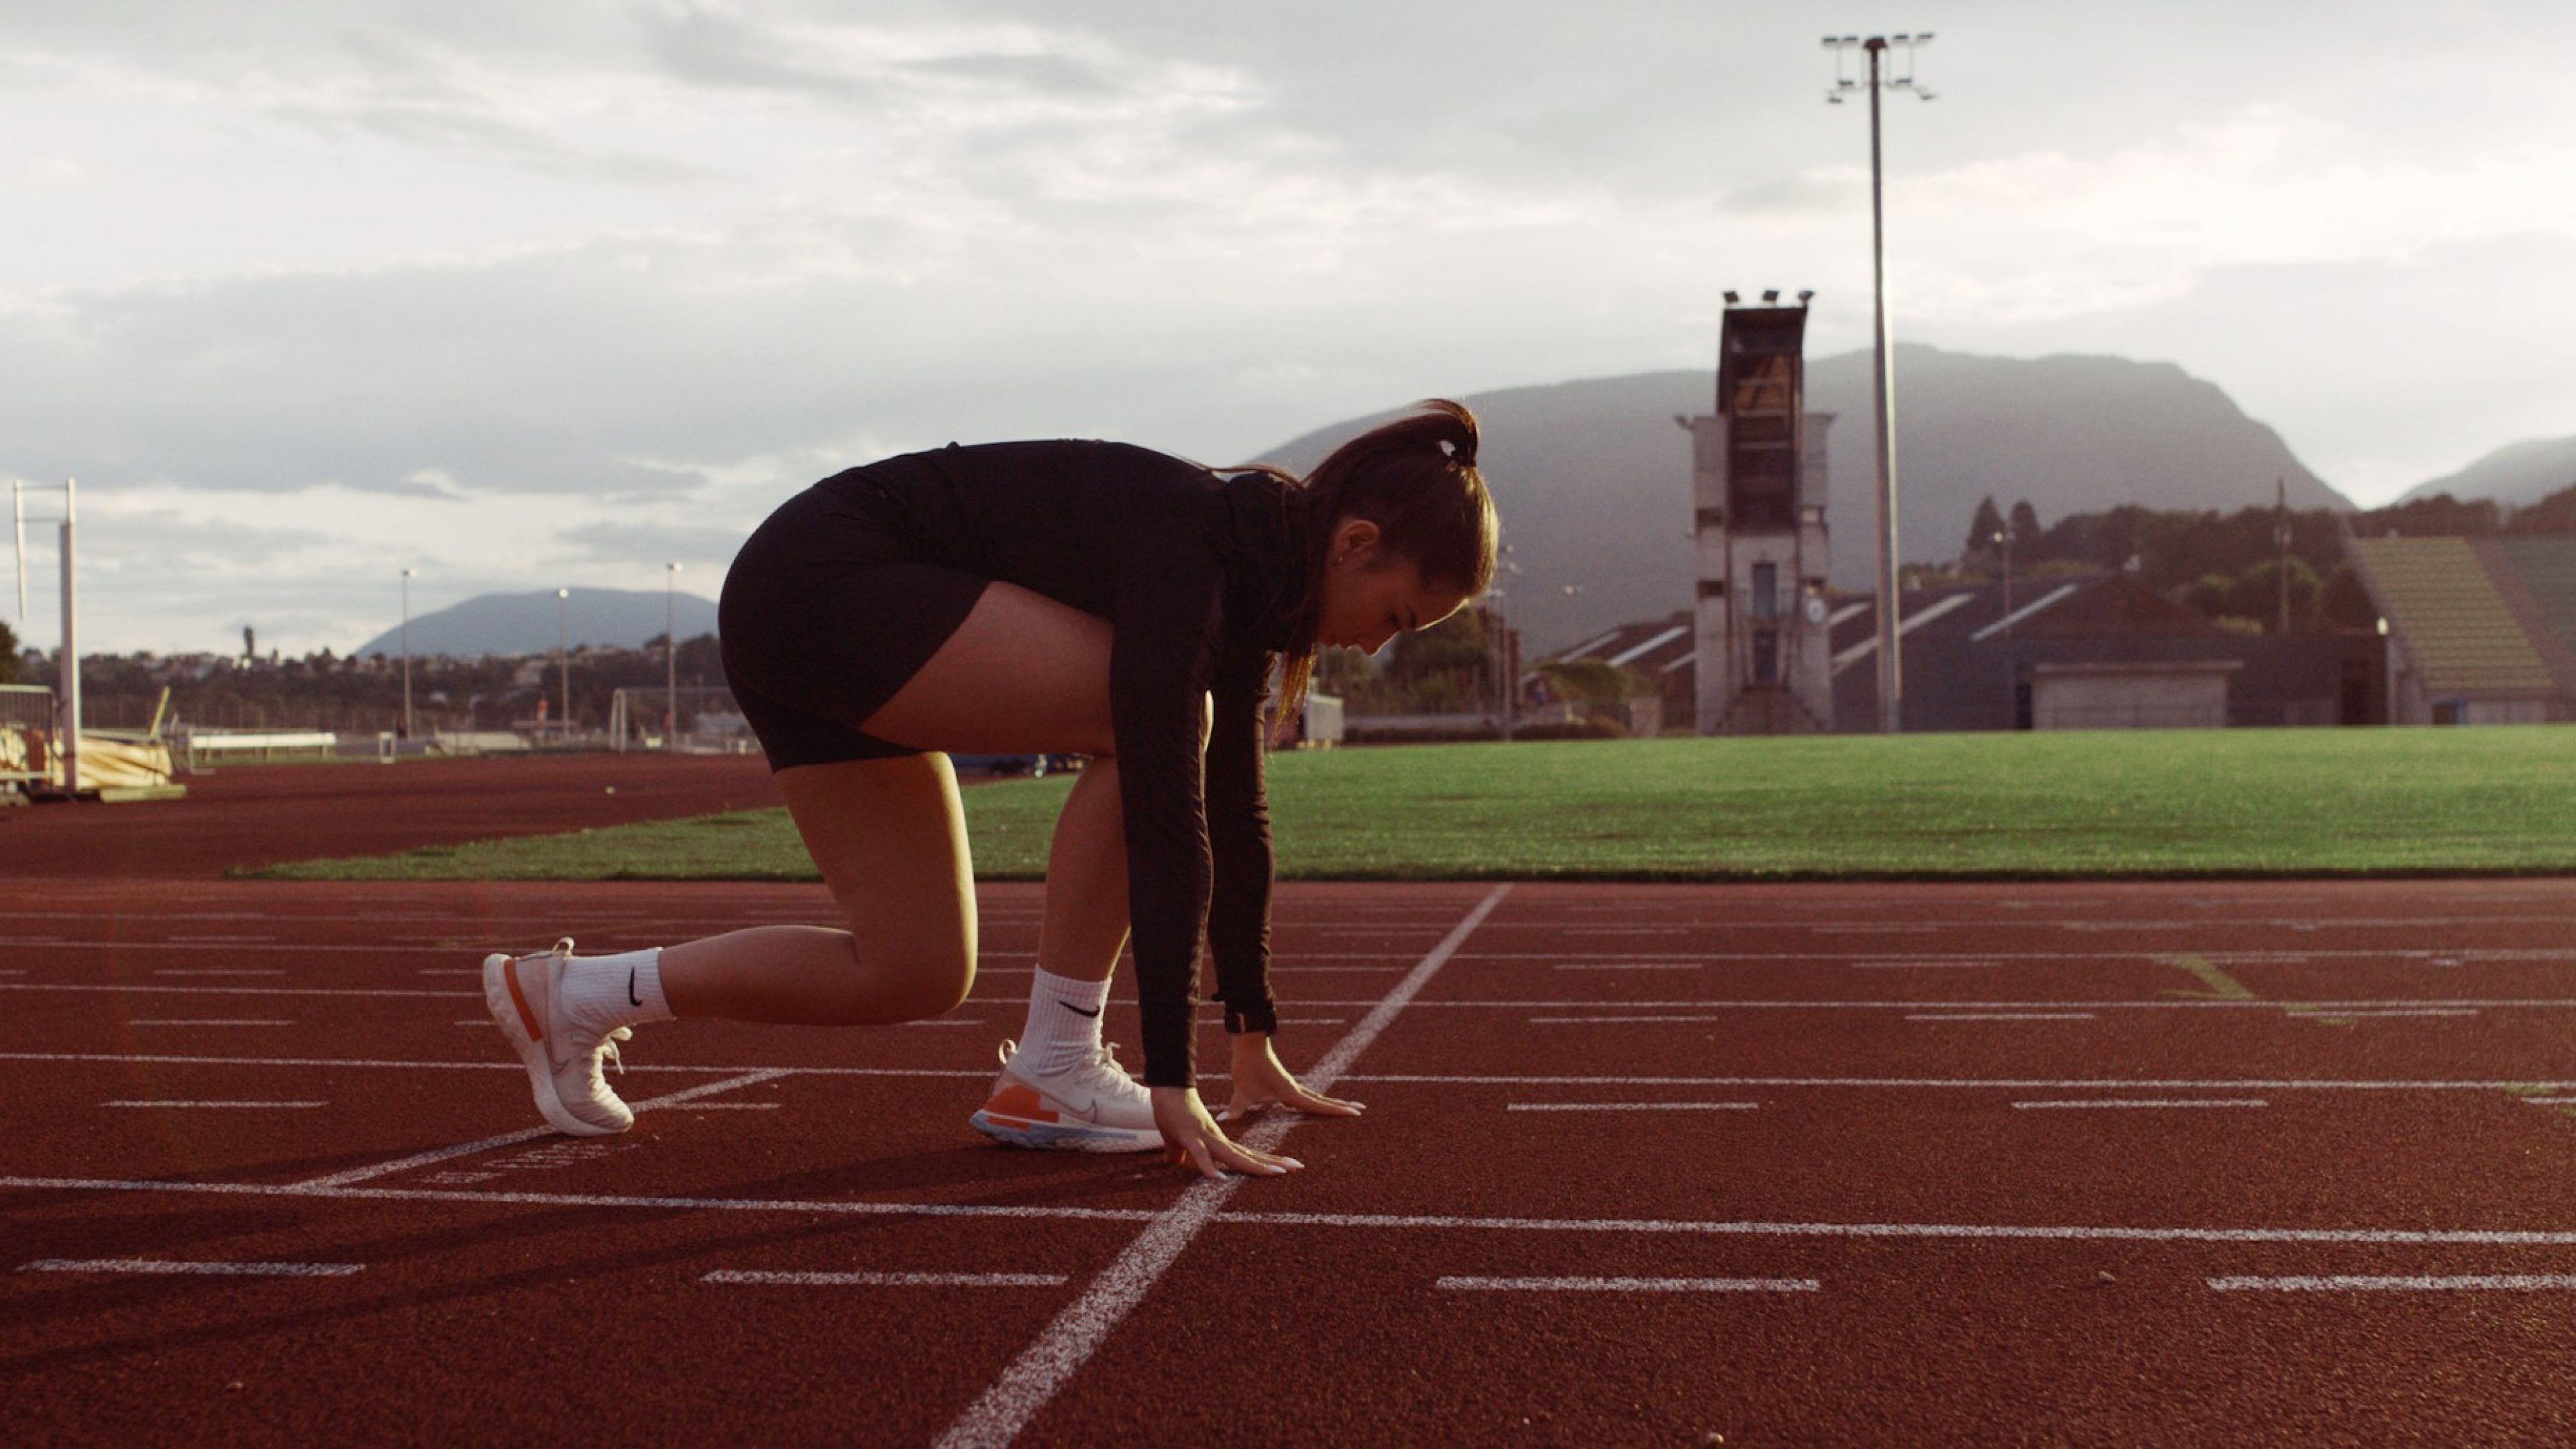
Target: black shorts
[(826, 613)]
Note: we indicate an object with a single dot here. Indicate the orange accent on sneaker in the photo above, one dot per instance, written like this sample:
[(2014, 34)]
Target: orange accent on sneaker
[(527, 1018), (1021, 1101)]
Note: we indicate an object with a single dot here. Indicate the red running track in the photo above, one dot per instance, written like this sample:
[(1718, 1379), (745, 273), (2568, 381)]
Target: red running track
[(1790, 1165), (244, 817)]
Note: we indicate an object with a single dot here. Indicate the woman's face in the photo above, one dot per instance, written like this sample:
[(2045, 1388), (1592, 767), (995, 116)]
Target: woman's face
[(1371, 595)]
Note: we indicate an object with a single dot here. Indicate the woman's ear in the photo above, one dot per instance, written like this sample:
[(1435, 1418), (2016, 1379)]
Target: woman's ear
[(1355, 540)]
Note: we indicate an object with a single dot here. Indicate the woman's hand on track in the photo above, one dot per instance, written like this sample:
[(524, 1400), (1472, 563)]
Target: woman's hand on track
[(1190, 1134), (1260, 1081)]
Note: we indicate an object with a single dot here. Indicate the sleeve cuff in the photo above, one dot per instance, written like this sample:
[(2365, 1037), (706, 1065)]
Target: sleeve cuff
[(1256, 1016)]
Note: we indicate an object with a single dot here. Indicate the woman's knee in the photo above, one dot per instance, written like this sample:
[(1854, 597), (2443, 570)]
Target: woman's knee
[(909, 981)]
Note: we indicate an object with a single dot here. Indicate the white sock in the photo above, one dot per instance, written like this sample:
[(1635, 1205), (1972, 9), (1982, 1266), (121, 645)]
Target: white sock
[(1064, 1024), (603, 993)]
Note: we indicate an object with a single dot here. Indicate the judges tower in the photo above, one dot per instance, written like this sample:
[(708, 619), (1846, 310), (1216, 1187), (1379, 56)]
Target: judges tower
[(1758, 488)]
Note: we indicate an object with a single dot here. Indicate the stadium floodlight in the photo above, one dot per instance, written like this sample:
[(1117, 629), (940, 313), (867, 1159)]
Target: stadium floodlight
[(1891, 677), (1806, 295), (1731, 300), (407, 576), (1770, 296), (670, 658), (563, 655)]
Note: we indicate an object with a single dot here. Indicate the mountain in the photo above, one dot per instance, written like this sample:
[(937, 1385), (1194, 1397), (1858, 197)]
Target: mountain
[(2518, 474), (526, 623), (1593, 478)]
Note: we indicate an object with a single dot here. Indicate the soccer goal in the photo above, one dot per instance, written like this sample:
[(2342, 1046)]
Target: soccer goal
[(694, 719)]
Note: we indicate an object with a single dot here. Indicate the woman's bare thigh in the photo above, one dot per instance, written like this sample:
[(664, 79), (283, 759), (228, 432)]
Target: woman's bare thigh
[(1022, 674), (890, 839)]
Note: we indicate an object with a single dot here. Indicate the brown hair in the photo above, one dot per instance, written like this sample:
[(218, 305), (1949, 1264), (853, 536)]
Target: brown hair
[(1416, 479)]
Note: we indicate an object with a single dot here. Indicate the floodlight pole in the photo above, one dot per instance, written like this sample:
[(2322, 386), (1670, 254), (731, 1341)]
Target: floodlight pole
[(18, 527), (670, 658), (406, 648), (68, 734), (2281, 537), (1891, 676), (563, 656)]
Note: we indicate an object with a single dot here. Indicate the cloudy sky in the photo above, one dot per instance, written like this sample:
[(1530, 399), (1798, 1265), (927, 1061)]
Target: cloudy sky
[(308, 291)]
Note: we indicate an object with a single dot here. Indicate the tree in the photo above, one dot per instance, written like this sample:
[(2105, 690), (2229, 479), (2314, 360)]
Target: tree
[(1982, 530), (8, 655), (2553, 514), (2025, 524)]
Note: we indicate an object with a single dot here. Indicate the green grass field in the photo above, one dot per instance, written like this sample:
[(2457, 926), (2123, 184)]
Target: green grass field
[(2236, 802)]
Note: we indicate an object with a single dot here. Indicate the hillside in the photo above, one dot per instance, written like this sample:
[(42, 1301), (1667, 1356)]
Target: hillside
[(1592, 477), (526, 623), (2517, 474)]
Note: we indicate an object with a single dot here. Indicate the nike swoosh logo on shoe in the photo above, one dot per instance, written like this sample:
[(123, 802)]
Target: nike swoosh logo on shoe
[(1067, 1005), (631, 998)]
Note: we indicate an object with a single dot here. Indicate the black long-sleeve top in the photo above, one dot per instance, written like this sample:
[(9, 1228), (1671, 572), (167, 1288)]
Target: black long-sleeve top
[(1198, 575)]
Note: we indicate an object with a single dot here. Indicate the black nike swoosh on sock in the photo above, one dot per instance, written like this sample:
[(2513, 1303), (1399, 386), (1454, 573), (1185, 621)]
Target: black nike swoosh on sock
[(1067, 1005), (631, 998)]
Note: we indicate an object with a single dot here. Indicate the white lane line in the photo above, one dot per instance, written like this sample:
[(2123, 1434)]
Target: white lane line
[(889, 1280), (1630, 1285), (12, 972), (2398, 1237), (481, 1021), (944, 1021), (2000, 1016), (207, 1021), (1630, 966), (530, 1134), (2343, 1283), (2175, 1084), (721, 1107), (1032, 1378), (159, 1266), (1608, 1020), (644, 1068), (831, 1206), (139, 987), (2301, 1010), (2141, 1103), (137, 1103), (244, 972), (2548, 1101), (1631, 1106), (1312, 1020), (224, 940), (1925, 965)]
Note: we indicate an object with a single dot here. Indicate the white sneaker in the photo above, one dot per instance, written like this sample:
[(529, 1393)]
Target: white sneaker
[(1095, 1107), (563, 1068)]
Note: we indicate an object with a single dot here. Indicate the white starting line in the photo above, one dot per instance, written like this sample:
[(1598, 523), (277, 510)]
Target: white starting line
[(2000, 1016), (2341, 1283), (162, 1266), (2141, 1103), (1631, 1106), (888, 1280), (214, 1104), (208, 1021), (1629, 1285)]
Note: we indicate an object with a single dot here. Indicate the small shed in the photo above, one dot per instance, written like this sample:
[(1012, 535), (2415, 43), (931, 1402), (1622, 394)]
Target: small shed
[(2135, 694)]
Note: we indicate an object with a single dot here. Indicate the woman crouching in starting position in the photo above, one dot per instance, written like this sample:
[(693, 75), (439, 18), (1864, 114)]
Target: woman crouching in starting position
[(1020, 598)]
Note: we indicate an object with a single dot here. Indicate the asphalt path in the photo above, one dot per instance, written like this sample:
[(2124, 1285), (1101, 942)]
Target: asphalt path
[(2188, 1163)]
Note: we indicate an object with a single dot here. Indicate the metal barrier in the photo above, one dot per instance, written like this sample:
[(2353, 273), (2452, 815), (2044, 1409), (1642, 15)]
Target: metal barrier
[(28, 729)]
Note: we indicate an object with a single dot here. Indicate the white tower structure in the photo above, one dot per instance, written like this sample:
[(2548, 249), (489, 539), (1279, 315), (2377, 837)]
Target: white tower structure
[(1758, 488)]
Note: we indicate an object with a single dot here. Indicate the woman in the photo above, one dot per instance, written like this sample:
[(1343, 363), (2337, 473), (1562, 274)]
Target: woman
[(1020, 598)]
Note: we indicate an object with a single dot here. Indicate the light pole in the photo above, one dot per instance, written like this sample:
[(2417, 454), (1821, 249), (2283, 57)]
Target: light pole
[(1891, 679), (2003, 540), (407, 576), (563, 655), (670, 658)]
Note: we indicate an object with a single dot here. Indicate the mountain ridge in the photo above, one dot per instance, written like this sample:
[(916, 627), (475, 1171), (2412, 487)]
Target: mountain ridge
[(510, 624), (1592, 477)]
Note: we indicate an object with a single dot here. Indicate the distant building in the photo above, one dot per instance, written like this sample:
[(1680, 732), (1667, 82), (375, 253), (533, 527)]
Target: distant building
[(1758, 484), (2479, 630), (2098, 651)]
